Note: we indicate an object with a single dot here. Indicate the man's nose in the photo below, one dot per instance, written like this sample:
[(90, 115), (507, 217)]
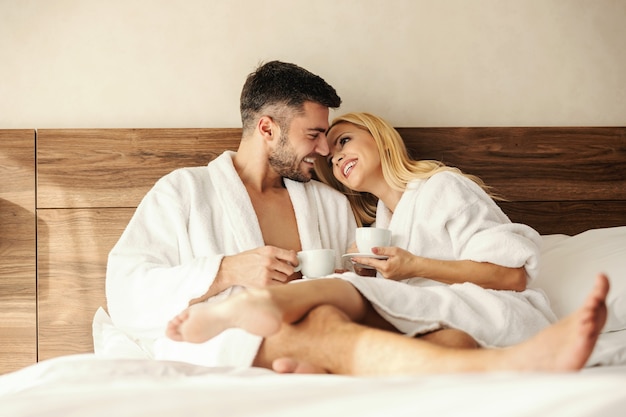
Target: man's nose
[(322, 146)]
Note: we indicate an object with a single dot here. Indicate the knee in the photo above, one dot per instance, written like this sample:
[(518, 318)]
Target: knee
[(462, 340), (451, 338), (327, 313)]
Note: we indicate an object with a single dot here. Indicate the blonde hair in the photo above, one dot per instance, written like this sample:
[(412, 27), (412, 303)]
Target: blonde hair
[(397, 166)]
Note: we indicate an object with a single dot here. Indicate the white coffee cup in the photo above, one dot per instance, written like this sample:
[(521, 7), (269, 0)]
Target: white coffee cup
[(315, 263), (369, 237)]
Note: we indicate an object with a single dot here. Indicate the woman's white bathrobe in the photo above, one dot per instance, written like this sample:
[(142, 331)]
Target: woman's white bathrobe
[(172, 248), (450, 217)]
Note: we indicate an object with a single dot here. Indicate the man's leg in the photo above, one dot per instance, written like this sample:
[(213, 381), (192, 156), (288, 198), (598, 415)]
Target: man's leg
[(327, 341), (451, 338)]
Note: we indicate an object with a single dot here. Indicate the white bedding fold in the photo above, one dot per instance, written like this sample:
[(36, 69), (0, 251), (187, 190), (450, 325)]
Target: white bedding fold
[(82, 385)]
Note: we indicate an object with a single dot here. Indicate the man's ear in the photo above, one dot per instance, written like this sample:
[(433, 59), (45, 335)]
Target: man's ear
[(266, 127)]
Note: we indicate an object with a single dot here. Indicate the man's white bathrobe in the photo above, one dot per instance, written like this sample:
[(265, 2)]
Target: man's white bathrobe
[(174, 244), (449, 217)]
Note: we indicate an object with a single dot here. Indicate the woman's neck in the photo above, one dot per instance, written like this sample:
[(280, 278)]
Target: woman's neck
[(390, 197)]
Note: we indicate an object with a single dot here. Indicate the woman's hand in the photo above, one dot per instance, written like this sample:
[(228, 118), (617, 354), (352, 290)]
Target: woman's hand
[(400, 264)]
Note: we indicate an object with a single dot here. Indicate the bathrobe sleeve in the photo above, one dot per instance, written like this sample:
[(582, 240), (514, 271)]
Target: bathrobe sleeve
[(450, 217)]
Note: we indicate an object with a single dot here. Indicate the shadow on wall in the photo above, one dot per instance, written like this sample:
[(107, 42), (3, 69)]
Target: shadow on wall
[(18, 287), (17, 253)]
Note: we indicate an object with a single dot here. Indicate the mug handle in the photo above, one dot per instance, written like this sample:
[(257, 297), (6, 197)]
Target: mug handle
[(298, 267)]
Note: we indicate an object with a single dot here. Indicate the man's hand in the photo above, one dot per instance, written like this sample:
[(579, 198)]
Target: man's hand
[(256, 268), (260, 267)]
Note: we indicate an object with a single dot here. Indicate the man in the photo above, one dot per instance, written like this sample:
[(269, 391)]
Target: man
[(203, 232)]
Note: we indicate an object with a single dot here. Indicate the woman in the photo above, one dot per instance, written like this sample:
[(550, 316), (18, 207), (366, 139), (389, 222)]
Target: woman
[(456, 274), (369, 163)]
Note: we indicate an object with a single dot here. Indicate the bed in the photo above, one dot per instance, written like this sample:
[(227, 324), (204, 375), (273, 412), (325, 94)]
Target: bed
[(67, 195)]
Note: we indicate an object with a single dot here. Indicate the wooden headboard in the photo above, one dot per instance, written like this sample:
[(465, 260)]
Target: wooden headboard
[(66, 196)]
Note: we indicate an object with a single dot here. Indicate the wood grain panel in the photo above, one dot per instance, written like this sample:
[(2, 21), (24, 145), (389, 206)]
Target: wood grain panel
[(532, 163), (73, 246), (18, 343), (116, 167)]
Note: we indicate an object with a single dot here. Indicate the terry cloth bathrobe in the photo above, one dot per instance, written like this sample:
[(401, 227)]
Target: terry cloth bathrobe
[(172, 248), (449, 217)]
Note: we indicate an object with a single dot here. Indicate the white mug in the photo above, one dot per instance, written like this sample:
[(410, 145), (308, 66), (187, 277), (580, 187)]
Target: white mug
[(369, 237), (315, 263)]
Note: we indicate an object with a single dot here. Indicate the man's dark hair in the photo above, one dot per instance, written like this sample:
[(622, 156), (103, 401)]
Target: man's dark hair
[(281, 85)]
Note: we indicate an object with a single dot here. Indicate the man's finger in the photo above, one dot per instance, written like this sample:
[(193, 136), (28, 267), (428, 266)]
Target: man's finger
[(285, 255)]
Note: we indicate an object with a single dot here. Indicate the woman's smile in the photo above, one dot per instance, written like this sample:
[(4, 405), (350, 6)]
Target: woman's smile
[(347, 167)]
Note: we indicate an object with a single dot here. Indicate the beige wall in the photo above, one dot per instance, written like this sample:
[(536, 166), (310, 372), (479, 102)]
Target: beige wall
[(165, 63)]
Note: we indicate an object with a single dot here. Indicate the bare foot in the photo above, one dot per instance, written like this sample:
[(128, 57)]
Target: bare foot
[(252, 310), (566, 345)]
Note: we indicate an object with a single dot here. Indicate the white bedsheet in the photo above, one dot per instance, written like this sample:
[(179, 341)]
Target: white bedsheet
[(83, 385)]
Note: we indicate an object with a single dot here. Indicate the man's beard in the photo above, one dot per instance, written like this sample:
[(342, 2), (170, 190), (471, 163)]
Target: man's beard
[(284, 161)]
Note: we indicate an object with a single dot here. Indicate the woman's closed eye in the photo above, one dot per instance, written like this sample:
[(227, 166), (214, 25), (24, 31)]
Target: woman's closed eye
[(343, 141)]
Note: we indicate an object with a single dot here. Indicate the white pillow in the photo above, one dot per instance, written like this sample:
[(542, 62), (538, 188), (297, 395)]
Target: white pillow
[(609, 350), (569, 265)]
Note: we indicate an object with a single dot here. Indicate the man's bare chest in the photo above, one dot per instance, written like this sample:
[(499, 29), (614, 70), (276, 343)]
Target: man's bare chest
[(277, 220)]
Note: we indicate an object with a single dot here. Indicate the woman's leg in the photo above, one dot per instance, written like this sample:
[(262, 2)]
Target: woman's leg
[(262, 311)]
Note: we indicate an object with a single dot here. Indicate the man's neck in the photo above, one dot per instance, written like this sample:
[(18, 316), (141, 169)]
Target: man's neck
[(252, 165)]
